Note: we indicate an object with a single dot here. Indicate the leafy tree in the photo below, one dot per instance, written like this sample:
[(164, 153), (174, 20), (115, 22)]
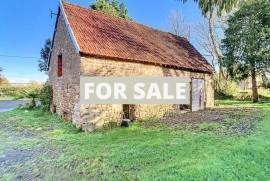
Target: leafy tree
[(111, 7), (44, 56), (247, 42), (46, 96), (3, 80), (208, 6), (123, 12), (4, 85)]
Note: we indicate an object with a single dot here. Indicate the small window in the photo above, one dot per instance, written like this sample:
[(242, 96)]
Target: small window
[(60, 66)]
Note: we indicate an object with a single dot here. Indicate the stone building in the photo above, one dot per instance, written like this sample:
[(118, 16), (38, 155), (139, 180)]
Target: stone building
[(90, 43)]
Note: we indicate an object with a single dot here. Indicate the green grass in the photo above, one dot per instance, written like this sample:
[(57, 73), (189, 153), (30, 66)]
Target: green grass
[(264, 95), (138, 152)]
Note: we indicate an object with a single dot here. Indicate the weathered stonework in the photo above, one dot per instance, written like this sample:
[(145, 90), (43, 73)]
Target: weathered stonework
[(65, 88), (91, 117), (103, 67)]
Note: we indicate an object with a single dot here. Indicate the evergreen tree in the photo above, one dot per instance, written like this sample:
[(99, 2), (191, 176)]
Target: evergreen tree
[(208, 6), (44, 56), (247, 42), (111, 7)]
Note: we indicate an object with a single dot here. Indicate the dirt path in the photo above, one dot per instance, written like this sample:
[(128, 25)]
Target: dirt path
[(10, 105), (22, 154), (213, 115), (225, 121)]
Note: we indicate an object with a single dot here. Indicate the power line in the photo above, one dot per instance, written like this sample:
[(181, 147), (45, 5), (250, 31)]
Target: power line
[(21, 83), (17, 56)]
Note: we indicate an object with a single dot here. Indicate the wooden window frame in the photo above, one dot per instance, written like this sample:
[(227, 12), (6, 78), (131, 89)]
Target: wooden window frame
[(60, 65)]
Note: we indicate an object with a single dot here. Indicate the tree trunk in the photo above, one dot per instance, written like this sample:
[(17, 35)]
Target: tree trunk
[(255, 96), (215, 47), (33, 102)]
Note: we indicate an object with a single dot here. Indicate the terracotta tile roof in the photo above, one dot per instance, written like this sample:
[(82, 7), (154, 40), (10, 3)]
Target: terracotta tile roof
[(101, 35)]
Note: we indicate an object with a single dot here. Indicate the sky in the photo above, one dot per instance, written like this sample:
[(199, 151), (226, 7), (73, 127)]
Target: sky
[(26, 24)]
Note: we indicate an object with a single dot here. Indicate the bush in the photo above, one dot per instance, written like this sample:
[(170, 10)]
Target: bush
[(45, 96), (225, 88), (266, 81)]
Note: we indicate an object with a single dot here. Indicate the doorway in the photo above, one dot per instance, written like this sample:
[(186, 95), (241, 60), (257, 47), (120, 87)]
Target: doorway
[(129, 111), (197, 94)]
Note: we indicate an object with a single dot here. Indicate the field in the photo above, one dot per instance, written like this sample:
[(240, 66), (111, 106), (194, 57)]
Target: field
[(231, 142), (5, 98)]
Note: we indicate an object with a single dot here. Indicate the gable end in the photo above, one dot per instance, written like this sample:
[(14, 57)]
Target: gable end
[(70, 31)]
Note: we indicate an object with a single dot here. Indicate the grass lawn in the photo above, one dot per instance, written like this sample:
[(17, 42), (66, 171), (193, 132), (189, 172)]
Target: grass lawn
[(37, 145)]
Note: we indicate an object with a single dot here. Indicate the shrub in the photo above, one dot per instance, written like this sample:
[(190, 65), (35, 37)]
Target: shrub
[(45, 96), (266, 80), (31, 91), (225, 88)]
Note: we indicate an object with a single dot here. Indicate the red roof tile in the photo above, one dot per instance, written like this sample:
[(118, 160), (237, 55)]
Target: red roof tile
[(101, 35)]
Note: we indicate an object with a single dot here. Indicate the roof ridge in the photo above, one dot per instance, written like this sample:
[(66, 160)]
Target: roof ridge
[(122, 19)]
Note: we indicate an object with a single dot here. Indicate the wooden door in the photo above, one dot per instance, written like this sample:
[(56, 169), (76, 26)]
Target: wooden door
[(197, 94)]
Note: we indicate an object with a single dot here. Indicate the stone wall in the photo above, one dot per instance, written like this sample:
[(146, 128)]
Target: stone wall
[(65, 88), (96, 115)]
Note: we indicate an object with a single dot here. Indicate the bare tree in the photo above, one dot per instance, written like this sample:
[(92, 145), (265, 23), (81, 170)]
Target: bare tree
[(178, 25), (209, 34), (204, 42), (215, 24)]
